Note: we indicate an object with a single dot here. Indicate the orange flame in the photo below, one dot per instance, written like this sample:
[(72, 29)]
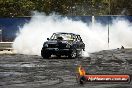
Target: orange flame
[(81, 71)]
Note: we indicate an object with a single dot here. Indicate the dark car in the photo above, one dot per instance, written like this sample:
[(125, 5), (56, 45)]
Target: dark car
[(68, 44)]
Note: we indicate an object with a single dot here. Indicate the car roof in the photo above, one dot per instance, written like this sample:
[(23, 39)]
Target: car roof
[(65, 33)]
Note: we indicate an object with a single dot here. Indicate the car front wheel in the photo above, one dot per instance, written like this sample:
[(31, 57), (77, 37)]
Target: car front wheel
[(73, 54), (44, 54)]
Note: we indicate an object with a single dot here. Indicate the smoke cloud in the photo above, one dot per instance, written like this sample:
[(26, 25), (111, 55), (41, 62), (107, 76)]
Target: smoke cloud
[(33, 34)]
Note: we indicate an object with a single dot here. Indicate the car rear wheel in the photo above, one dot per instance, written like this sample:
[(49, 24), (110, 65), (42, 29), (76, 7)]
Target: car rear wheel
[(79, 54)]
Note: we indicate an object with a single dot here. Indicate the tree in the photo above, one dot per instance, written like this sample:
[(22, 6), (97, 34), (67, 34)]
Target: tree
[(121, 7), (11, 8)]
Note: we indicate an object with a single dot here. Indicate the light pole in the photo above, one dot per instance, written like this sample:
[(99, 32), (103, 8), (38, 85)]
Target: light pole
[(108, 34), (108, 25), (0, 35)]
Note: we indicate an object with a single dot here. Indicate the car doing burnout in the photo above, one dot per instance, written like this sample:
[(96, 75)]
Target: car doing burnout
[(68, 44)]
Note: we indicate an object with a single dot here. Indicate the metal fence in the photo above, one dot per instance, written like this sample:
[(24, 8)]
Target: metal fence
[(6, 46)]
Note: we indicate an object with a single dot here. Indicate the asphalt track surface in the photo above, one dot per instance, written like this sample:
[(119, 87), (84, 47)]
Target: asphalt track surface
[(30, 71)]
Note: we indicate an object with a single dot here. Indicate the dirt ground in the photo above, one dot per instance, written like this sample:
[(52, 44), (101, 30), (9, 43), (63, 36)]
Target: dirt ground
[(30, 71)]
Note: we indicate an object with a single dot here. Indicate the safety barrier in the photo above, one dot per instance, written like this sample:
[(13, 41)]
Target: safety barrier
[(6, 46)]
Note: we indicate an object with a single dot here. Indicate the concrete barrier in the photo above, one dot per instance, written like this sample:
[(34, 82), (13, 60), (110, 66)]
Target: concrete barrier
[(6, 46)]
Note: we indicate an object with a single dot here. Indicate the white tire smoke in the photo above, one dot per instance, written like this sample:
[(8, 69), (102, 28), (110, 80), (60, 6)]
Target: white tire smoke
[(33, 34)]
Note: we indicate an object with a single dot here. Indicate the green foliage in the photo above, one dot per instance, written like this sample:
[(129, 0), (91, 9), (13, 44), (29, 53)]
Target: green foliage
[(15, 7), (121, 7), (11, 8)]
